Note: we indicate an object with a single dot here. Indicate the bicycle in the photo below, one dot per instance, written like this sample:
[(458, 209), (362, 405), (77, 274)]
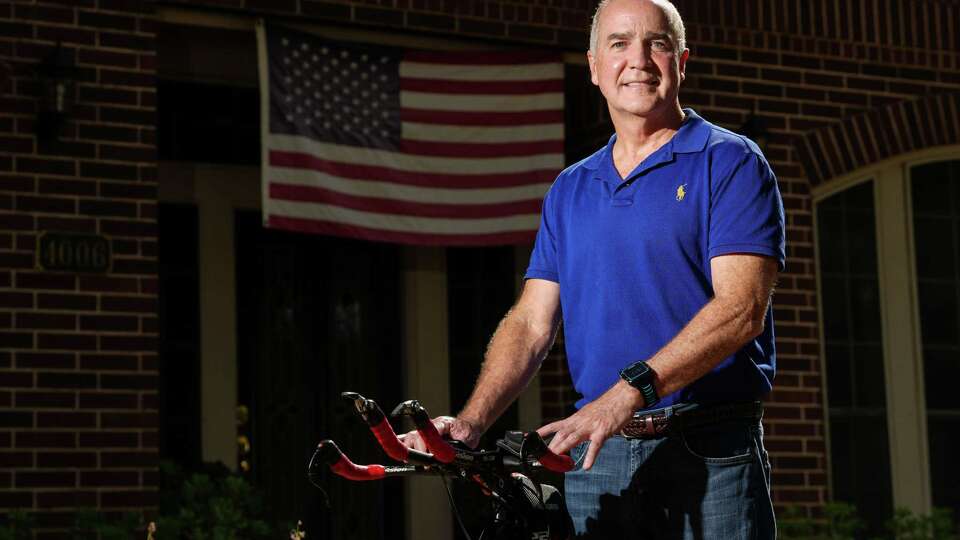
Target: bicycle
[(523, 508)]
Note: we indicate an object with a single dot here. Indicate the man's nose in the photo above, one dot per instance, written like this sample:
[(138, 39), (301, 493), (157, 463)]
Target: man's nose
[(639, 56)]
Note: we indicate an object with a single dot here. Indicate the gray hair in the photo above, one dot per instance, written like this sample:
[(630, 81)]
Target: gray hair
[(674, 21)]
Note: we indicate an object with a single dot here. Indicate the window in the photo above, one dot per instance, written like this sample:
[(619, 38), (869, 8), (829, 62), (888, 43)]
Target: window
[(935, 190), (888, 240), (856, 394)]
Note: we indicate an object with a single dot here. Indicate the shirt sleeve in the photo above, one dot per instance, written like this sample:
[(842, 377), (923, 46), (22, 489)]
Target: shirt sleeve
[(543, 259), (746, 211)]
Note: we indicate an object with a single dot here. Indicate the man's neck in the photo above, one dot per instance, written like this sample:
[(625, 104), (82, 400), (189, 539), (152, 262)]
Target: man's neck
[(640, 136)]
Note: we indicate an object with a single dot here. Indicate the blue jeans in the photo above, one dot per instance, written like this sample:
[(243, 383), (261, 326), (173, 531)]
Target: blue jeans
[(699, 483)]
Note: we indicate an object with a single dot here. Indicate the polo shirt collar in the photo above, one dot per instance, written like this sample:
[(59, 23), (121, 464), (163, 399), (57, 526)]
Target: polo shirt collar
[(690, 138)]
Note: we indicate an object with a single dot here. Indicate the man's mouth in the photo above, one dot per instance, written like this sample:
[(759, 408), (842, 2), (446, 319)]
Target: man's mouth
[(646, 82)]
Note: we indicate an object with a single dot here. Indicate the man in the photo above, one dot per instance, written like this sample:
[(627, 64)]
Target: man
[(662, 250)]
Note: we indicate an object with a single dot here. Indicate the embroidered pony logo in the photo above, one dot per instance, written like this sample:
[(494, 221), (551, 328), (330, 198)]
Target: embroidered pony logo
[(681, 192)]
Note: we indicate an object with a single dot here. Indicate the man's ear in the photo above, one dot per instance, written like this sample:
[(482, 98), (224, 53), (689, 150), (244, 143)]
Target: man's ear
[(593, 68), (682, 63)]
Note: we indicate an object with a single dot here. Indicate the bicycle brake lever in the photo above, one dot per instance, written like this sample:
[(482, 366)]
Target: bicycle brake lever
[(441, 449)]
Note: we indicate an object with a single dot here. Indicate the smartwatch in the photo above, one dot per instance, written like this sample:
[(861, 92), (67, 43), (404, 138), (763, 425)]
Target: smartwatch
[(640, 376)]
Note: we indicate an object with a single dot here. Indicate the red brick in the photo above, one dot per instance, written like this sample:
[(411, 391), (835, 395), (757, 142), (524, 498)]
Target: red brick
[(16, 260), (103, 400), (45, 280), (117, 96), (66, 459), (9, 419), (46, 439), (102, 20), (60, 379), (128, 304), (108, 439), (16, 459), (128, 459), (128, 420), (66, 420), (66, 499), (16, 379), (109, 323), (67, 301), (46, 166), (63, 34), (45, 400), (16, 340), (16, 499), (74, 342), (127, 343), (128, 382), (16, 300), (109, 478), (125, 362), (44, 479), (55, 186), (46, 321), (64, 224), (108, 284), (128, 191)]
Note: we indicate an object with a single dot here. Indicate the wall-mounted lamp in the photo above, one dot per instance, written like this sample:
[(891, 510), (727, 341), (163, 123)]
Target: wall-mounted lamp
[(56, 74), (755, 129)]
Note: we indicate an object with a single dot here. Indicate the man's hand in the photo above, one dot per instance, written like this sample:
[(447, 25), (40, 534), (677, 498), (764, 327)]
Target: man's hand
[(596, 422), (448, 426)]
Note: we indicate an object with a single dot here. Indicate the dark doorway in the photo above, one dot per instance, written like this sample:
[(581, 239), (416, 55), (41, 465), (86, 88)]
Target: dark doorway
[(317, 316)]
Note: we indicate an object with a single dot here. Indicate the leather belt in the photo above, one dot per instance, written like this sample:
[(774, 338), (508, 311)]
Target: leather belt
[(658, 423)]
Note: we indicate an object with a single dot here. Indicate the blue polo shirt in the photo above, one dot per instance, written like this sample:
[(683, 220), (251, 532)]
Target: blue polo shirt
[(632, 255)]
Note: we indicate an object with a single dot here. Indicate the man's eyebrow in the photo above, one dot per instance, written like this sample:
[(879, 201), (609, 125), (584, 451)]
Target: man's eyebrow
[(658, 35), (619, 35)]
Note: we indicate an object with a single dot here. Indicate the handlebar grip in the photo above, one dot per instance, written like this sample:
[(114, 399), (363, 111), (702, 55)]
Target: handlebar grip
[(538, 449), (342, 466), (388, 440), (442, 450)]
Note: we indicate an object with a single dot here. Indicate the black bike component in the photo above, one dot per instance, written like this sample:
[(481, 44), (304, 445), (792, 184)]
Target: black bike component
[(522, 508)]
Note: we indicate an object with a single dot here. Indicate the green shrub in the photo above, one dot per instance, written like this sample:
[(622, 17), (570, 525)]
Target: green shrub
[(18, 526), (841, 522)]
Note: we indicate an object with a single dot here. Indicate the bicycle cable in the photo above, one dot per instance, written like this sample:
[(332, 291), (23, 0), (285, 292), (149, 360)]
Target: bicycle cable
[(453, 506)]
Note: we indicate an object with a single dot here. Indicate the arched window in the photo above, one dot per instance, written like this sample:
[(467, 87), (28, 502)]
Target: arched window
[(888, 261)]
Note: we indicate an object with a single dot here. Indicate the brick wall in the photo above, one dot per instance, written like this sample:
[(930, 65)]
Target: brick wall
[(78, 364)]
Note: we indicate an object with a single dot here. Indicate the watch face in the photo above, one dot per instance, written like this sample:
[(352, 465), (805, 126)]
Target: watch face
[(636, 371)]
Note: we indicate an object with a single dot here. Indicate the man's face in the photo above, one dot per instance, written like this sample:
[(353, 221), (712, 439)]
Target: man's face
[(635, 64)]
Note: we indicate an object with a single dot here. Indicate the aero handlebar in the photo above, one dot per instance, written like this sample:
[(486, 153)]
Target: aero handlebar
[(522, 451)]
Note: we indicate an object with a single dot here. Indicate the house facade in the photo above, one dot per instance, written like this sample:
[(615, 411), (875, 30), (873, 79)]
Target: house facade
[(197, 328)]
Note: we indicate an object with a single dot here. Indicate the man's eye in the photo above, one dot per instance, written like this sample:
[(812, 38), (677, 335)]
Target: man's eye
[(659, 45), (618, 44)]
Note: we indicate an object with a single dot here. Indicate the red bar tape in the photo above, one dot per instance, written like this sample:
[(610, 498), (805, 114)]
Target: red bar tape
[(441, 449), (351, 471), (389, 442), (556, 462)]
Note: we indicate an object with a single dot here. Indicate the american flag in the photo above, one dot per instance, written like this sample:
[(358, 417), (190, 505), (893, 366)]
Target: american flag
[(413, 147)]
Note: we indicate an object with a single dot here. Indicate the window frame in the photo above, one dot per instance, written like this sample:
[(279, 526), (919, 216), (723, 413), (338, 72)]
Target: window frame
[(900, 319)]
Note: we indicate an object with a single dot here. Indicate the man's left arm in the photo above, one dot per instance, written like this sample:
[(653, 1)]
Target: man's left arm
[(742, 285)]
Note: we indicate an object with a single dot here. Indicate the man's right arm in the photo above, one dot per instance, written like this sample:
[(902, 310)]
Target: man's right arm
[(518, 346)]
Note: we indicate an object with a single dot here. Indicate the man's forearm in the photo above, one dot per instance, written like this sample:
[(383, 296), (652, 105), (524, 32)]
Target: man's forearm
[(719, 329), (512, 358)]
